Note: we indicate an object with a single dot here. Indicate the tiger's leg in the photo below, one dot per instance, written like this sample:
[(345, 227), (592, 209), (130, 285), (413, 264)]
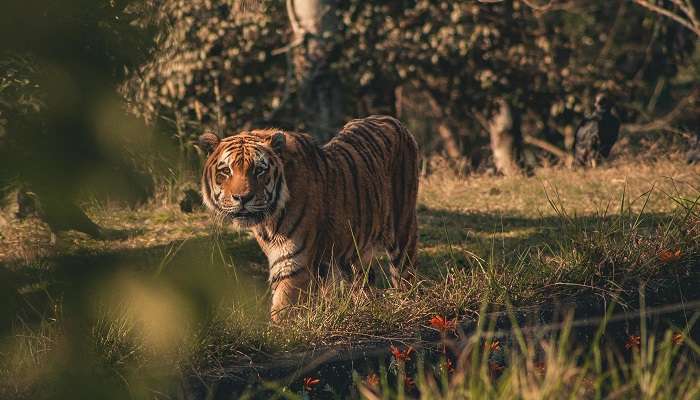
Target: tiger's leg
[(287, 291), (404, 196), (402, 252)]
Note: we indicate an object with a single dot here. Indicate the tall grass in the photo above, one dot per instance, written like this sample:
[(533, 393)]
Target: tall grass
[(480, 367)]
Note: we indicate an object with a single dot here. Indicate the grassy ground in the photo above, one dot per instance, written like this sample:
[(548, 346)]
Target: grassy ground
[(174, 292)]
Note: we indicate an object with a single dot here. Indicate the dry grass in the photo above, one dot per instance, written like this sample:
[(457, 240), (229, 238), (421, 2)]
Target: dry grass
[(581, 192)]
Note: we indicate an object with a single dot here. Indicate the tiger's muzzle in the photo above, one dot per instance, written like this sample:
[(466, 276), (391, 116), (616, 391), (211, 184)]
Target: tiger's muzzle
[(243, 209)]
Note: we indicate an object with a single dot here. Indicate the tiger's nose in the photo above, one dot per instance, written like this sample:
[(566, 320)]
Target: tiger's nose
[(243, 197)]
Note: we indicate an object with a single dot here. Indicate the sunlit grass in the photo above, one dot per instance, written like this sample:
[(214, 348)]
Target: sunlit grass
[(182, 299), (605, 258)]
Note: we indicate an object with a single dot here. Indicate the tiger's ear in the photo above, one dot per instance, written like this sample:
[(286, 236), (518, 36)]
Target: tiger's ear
[(208, 142), (278, 142)]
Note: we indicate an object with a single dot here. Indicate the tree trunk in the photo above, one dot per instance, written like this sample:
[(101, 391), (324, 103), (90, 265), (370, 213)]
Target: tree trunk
[(506, 139), (314, 26), (449, 140)]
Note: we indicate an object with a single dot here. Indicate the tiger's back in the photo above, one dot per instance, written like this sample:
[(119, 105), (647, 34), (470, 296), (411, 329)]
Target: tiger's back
[(372, 193)]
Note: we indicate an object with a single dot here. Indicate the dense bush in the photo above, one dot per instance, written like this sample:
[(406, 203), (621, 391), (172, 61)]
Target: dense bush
[(220, 67)]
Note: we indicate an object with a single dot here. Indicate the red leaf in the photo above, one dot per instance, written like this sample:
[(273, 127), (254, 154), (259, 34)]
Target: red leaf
[(400, 355), (442, 324), (633, 342), (372, 380), (669, 256), (677, 338), (310, 382)]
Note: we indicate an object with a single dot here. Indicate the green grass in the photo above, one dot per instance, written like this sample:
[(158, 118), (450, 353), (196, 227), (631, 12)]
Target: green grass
[(175, 299)]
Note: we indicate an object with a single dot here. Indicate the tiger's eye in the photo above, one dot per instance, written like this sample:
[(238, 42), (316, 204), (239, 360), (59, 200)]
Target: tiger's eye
[(220, 178)]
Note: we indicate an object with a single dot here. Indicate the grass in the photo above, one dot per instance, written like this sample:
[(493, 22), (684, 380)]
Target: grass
[(479, 366), (174, 296)]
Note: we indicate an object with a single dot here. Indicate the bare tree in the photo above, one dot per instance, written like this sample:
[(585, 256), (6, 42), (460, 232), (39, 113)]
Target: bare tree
[(506, 139), (683, 12), (314, 24), (665, 122), (449, 140)]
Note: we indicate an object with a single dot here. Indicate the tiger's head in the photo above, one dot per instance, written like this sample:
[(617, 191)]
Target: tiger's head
[(243, 180)]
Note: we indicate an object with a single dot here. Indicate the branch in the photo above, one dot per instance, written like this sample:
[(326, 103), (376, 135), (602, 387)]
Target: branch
[(538, 7), (689, 21), (546, 146), (293, 19), (550, 5), (481, 120), (687, 7), (663, 122), (448, 137)]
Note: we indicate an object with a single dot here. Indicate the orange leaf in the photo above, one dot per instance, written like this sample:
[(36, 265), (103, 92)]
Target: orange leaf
[(669, 256), (677, 338), (409, 382), (633, 342), (372, 380), (448, 366), (495, 368), (541, 368), (400, 355), (442, 324), (495, 345), (310, 382)]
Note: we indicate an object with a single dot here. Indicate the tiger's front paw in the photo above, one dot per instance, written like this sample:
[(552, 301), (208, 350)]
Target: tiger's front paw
[(286, 293)]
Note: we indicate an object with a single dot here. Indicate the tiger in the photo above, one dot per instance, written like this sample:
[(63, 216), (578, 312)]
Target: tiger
[(315, 210)]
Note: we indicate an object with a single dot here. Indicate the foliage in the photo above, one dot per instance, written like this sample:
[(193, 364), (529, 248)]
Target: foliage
[(64, 129), (212, 65), (227, 70)]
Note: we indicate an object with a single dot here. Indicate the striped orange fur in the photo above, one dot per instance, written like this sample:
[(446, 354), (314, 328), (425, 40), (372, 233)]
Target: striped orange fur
[(319, 210)]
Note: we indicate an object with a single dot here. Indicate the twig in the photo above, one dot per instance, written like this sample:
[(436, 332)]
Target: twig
[(529, 3), (481, 120), (546, 146), (537, 7), (448, 137), (593, 321), (297, 42), (665, 121), (690, 21)]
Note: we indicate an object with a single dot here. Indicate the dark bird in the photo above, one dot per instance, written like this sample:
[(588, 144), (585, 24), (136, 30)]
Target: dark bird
[(596, 134)]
